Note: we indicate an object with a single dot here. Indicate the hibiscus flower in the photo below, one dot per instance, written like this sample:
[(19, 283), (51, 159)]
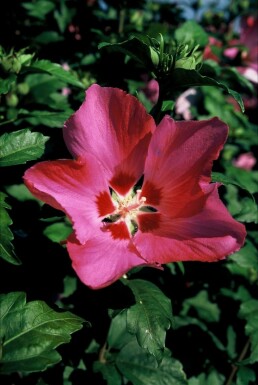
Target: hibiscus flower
[(136, 194)]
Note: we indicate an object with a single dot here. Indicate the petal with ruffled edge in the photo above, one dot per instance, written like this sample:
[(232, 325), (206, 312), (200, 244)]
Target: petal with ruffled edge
[(207, 236), (77, 187), (179, 163), (105, 257), (115, 127)]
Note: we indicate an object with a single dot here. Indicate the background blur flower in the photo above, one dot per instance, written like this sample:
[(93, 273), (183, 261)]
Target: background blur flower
[(151, 90), (249, 52), (184, 103), (246, 161), (208, 52)]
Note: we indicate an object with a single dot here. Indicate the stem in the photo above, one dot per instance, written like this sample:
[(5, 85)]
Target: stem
[(121, 21), (156, 110), (240, 358), (102, 353), (7, 122)]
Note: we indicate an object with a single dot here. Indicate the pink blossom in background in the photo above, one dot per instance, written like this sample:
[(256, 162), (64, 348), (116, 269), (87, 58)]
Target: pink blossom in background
[(184, 102), (120, 219), (250, 74), (66, 90), (249, 39), (75, 30), (152, 90), (66, 66), (231, 52), (208, 52), (246, 161)]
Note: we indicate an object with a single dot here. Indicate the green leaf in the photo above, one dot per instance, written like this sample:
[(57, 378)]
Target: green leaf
[(58, 232), (188, 63), (246, 209), (230, 75), (47, 37), (185, 78), (240, 207), (55, 70), (66, 375), (6, 84), (216, 104), (108, 371), (233, 76), (137, 49), (246, 178), (150, 317), (221, 178), (192, 33), (245, 375), (249, 312), (64, 15), (213, 378), (205, 309), (70, 286), (141, 368), (247, 259), (167, 105), (231, 342), (39, 8), (6, 236), (18, 147), (54, 119), (89, 59), (242, 294), (249, 211), (31, 331), (21, 193), (118, 335)]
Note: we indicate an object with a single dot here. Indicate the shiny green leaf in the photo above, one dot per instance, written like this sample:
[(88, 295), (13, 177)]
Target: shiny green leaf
[(58, 232), (6, 236), (53, 119), (19, 147), (138, 49), (56, 70), (186, 78), (6, 84), (141, 368), (30, 332), (150, 317), (249, 312), (212, 378), (206, 310), (245, 375), (109, 372), (192, 33)]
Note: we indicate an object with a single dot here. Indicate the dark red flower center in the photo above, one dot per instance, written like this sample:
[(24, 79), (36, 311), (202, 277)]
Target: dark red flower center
[(127, 210)]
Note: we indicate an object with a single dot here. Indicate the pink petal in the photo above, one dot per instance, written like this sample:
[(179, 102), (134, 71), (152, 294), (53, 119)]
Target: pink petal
[(231, 52), (77, 187), (105, 257), (209, 235), (114, 127), (249, 73), (179, 163), (245, 161)]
